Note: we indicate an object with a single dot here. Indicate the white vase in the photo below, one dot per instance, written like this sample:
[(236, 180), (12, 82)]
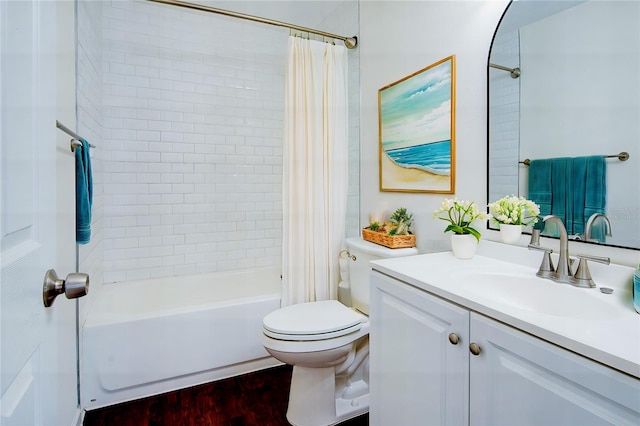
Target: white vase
[(510, 233), (463, 246)]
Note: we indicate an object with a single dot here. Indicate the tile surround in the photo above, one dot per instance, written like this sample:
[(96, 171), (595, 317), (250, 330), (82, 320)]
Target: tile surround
[(187, 111)]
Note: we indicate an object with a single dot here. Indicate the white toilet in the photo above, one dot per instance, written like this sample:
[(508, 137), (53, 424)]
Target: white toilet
[(328, 345)]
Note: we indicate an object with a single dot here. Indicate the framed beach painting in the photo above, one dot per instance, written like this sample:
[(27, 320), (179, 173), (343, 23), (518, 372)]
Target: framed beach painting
[(417, 131)]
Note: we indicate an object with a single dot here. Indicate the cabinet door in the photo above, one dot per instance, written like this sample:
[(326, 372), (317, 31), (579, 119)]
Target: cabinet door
[(418, 377), (520, 379)]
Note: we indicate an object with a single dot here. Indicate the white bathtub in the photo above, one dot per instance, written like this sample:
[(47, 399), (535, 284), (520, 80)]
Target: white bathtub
[(147, 337)]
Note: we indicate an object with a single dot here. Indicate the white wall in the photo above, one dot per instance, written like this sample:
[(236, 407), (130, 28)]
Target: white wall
[(399, 38)]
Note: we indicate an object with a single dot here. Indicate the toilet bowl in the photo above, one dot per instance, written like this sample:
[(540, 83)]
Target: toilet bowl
[(328, 345)]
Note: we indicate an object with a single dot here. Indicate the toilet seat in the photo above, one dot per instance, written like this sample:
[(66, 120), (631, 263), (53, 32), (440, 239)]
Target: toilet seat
[(312, 321)]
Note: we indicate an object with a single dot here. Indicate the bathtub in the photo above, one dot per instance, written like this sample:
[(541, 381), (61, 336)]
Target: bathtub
[(147, 337)]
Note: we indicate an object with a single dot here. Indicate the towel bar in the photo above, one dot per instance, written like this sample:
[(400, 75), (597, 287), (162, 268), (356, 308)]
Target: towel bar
[(75, 142), (623, 156)]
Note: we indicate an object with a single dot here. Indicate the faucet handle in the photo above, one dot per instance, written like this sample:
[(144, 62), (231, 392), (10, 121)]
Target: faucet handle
[(599, 259), (538, 247), (546, 269), (582, 277)]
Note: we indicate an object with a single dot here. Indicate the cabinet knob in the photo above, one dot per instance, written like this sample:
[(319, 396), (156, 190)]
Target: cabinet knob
[(454, 339), (475, 349)]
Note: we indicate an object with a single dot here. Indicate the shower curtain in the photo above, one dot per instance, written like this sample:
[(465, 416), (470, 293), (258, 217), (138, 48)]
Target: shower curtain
[(315, 175)]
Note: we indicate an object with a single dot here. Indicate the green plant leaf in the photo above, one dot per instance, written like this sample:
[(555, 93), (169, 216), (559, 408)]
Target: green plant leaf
[(474, 233), (455, 229)]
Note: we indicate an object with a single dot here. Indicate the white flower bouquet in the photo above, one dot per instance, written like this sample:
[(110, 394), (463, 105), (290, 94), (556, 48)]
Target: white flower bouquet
[(513, 210), (460, 214)]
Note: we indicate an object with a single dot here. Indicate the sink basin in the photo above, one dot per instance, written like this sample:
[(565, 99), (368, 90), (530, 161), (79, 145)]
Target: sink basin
[(524, 291)]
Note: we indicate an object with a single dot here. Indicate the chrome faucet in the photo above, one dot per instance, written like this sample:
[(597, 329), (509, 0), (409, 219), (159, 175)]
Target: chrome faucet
[(563, 270), (592, 219), (562, 273)]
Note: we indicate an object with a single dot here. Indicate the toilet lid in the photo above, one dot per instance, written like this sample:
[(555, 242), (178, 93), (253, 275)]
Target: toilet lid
[(312, 321)]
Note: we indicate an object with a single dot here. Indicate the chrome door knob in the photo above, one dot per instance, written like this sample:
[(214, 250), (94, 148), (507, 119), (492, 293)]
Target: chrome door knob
[(76, 285)]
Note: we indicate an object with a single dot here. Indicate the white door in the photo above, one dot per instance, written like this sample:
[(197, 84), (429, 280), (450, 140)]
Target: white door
[(37, 344)]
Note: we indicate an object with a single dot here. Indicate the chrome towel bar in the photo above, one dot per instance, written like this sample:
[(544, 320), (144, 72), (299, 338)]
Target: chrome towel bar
[(623, 156), (75, 142)]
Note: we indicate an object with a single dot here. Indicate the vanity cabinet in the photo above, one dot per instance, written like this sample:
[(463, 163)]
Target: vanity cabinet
[(417, 375), (423, 371)]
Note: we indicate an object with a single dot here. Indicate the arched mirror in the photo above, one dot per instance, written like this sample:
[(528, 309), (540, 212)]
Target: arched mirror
[(563, 88)]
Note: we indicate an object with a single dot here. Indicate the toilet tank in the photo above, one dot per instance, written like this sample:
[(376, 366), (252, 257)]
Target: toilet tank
[(361, 252)]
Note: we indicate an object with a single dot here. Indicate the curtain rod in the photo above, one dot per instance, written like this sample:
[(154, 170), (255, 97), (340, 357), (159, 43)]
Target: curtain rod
[(623, 156), (349, 42), (515, 72)]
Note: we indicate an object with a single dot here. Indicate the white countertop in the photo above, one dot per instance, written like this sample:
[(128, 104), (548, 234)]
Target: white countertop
[(602, 327)]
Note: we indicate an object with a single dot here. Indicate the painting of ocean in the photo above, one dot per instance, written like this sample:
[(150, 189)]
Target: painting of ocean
[(432, 157), (417, 131)]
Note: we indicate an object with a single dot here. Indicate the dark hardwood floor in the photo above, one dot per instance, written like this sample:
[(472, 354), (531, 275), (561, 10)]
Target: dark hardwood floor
[(258, 398)]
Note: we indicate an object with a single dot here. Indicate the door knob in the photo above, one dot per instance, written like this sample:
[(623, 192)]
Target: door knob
[(76, 285)]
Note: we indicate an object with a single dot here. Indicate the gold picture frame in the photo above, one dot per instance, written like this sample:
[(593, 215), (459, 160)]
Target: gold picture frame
[(416, 125)]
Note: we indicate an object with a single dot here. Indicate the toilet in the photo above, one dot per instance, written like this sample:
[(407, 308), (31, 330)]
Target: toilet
[(328, 345)]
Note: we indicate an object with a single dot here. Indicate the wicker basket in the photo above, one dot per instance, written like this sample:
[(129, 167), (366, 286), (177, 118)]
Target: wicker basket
[(391, 241)]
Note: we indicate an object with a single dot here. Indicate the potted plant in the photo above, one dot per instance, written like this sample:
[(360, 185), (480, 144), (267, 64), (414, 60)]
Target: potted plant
[(401, 222), (511, 213), (395, 233), (461, 215)]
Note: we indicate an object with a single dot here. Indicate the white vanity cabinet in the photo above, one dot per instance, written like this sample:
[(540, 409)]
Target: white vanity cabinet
[(418, 377), (520, 379)]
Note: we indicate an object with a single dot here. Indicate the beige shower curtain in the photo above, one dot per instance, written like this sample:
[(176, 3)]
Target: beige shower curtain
[(315, 170)]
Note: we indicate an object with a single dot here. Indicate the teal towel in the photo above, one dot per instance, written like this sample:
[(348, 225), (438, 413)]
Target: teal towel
[(572, 189), (560, 187), (84, 193), (577, 178), (596, 193)]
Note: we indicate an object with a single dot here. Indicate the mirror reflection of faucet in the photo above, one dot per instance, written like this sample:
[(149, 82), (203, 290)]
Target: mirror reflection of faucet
[(588, 228), (563, 272)]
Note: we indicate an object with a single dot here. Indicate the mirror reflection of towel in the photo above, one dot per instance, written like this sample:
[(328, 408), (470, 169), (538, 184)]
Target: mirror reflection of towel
[(572, 189), (540, 185), (596, 194)]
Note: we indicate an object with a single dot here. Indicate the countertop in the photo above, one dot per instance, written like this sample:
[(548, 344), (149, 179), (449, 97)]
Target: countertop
[(602, 327)]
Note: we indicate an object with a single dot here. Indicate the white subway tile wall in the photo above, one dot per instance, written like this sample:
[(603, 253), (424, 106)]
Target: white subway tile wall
[(504, 120), (193, 112), (192, 118)]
